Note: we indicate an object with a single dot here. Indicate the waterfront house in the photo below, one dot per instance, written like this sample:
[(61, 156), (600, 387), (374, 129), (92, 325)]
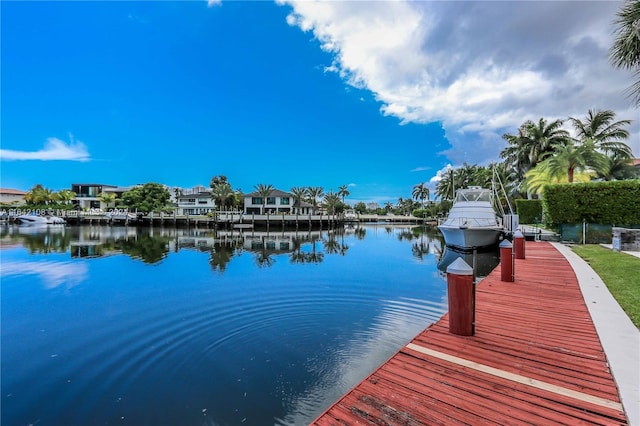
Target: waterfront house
[(195, 204), (12, 197), (87, 194), (277, 202)]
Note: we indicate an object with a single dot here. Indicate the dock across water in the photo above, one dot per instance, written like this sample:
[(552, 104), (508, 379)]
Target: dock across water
[(535, 359)]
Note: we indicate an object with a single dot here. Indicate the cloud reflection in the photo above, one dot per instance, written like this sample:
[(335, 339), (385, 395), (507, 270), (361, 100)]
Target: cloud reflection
[(52, 274)]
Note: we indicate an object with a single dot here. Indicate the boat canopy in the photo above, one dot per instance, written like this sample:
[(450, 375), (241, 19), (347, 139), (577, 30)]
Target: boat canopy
[(473, 193)]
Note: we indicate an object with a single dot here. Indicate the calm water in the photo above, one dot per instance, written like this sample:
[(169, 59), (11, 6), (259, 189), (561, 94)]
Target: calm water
[(116, 325)]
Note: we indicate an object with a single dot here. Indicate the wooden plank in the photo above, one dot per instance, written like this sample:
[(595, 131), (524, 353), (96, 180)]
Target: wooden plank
[(535, 354)]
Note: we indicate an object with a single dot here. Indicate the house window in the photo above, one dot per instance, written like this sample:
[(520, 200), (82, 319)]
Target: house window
[(256, 200), (271, 200), (284, 201)]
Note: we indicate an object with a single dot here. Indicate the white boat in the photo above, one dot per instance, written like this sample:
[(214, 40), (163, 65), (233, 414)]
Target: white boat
[(350, 216), (32, 219), (472, 221)]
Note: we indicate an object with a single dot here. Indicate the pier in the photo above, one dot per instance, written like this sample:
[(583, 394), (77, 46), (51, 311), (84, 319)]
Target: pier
[(535, 359)]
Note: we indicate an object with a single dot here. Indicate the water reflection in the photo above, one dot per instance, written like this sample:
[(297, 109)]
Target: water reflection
[(482, 262), (286, 323), (152, 245)]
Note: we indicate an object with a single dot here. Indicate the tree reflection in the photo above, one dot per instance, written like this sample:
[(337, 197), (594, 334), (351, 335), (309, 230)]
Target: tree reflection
[(149, 249), (221, 253)]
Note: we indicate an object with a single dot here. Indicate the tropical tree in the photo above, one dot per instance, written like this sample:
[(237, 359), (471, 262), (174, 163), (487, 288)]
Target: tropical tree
[(541, 175), (343, 192), (65, 196), (625, 51), (421, 191), (599, 131), (222, 194), (445, 188), (264, 191), (38, 195), (388, 206), (571, 158), (314, 193), (147, 198), (107, 198), (299, 192), (532, 144), (332, 202), (619, 168)]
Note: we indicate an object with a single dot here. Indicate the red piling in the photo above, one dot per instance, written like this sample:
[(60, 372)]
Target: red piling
[(462, 298)]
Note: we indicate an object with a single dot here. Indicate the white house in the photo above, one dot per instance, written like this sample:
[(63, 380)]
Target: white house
[(195, 204), (277, 202)]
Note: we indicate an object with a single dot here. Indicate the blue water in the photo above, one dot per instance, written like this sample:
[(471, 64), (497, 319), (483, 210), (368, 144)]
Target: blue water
[(162, 326)]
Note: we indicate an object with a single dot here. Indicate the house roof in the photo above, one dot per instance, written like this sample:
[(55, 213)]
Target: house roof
[(205, 194), (9, 191), (636, 161), (274, 193)]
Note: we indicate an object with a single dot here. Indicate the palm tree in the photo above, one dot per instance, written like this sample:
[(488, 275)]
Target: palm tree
[(602, 133), (542, 175), (331, 200), (343, 192), (299, 193), (65, 196), (221, 193), (625, 51), (571, 158), (107, 198), (533, 143), (619, 168), (38, 195), (264, 191), (445, 188), (420, 191), (314, 193)]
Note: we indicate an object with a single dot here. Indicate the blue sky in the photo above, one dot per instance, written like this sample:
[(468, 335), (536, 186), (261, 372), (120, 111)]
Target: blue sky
[(379, 96)]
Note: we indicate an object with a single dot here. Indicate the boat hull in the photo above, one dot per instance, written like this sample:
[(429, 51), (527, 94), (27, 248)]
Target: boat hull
[(470, 238)]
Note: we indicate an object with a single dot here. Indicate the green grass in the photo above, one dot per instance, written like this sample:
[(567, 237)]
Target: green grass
[(620, 272)]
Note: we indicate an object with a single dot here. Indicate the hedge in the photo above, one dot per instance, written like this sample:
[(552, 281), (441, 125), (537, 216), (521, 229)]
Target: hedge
[(615, 203), (529, 211)]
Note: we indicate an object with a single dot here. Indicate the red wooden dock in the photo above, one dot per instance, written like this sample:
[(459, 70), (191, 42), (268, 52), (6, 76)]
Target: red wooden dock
[(535, 359)]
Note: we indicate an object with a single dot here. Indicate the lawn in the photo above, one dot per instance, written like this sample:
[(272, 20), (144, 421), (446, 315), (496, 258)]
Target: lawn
[(620, 272)]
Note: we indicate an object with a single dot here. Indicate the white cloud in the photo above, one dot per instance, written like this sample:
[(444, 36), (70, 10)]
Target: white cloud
[(54, 149), (480, 68), (212, 3), (420, 169)]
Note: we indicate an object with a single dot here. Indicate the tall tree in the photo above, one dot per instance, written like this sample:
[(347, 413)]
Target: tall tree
[(343, 191), (264, 191), (299, 193), (625, 51), (332, 201), (421, 191), (602, 133), (222, 194), (314, 193)]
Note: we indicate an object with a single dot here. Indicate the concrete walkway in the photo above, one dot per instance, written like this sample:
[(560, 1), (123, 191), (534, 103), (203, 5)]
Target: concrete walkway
[(620, 339)]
